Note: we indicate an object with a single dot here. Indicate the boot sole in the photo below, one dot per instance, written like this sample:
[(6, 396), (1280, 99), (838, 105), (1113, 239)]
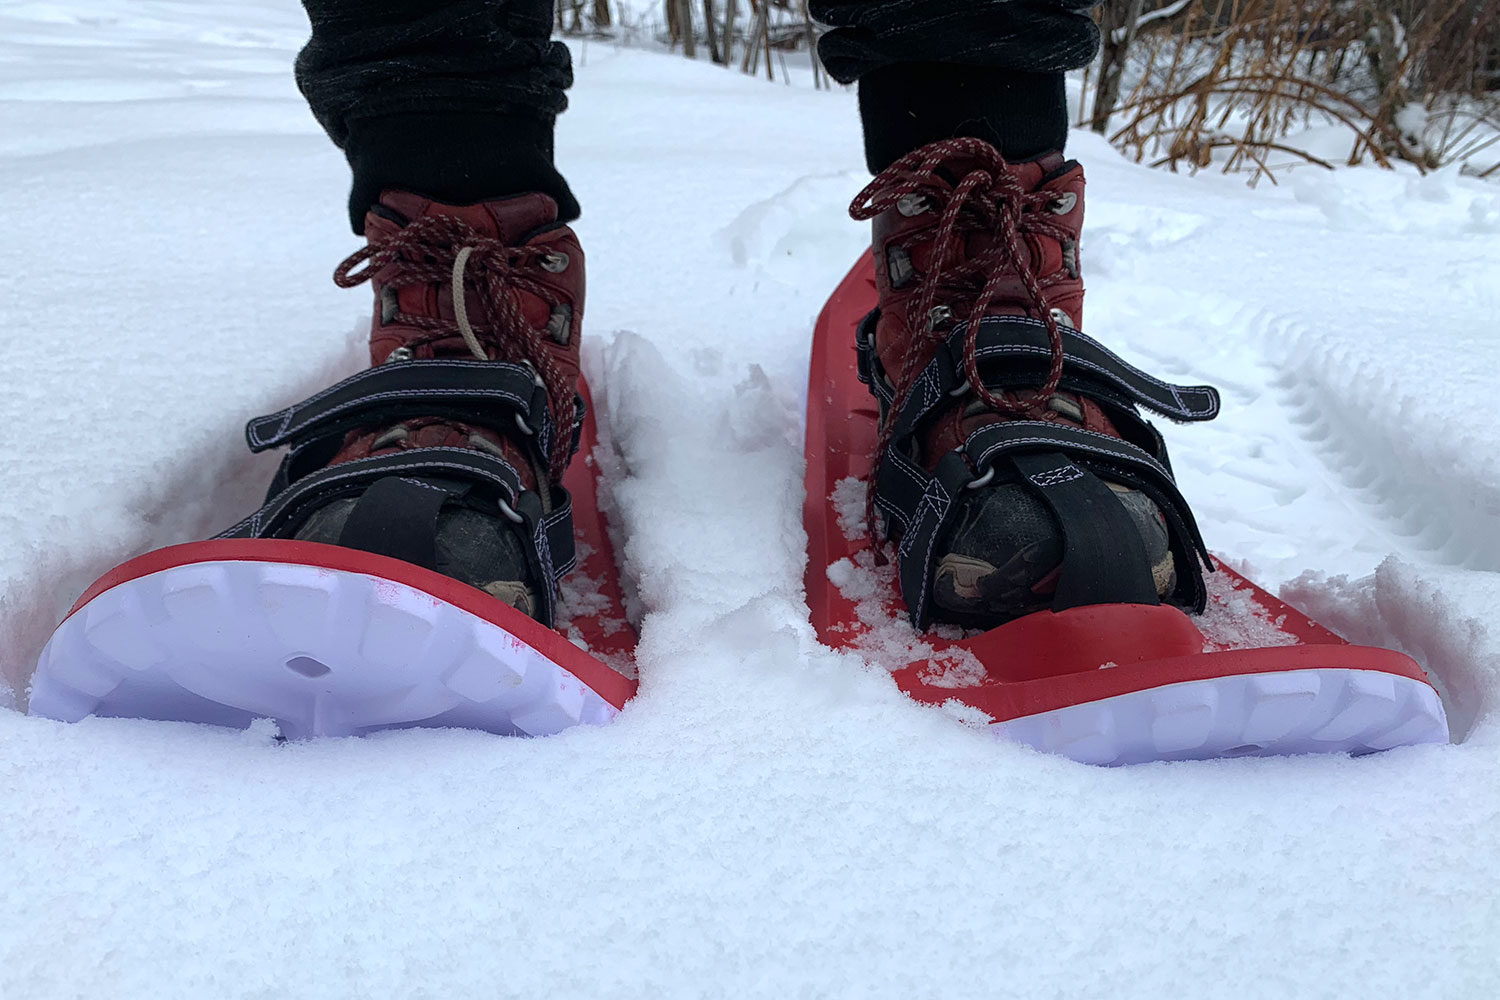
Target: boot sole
[(324, 640)]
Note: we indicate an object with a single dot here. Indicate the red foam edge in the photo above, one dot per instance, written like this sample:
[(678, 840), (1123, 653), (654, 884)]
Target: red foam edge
[(1045, 660), (589, 524)]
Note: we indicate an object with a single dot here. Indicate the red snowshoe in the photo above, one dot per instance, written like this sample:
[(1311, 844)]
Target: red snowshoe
[(414, 563), (1105, 683)]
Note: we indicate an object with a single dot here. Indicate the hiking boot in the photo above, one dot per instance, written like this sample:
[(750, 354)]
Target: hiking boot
[(499, 281), (976, 348)]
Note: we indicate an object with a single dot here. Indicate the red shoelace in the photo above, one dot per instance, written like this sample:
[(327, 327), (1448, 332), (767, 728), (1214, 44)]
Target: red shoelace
[(440, 249), (989, 199)]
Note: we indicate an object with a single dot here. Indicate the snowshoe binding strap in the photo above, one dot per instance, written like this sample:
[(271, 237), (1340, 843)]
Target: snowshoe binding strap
[(1066, 467), (507, 398), (1011, 351), (400, 494), (979, 326)]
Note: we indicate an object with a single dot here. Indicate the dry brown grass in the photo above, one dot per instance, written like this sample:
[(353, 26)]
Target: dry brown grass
[(1242, 75)]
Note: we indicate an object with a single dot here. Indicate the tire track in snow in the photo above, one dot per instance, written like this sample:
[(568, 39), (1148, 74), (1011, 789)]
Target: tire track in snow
[(1322, 477), (1447, 508)]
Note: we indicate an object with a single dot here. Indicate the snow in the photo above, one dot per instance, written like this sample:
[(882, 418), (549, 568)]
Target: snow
[(768, 818), (885, 637), (848, 500), (1234, 619)]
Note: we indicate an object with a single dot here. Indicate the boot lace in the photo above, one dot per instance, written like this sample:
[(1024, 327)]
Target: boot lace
[(991, 200), (438, 248)]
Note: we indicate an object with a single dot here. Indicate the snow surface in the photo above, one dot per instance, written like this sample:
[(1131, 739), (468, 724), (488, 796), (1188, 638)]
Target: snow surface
[(768, 818)]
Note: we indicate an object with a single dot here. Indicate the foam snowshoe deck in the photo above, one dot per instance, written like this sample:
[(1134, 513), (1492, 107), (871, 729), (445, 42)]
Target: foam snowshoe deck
[(331, 641), (1108, 684)]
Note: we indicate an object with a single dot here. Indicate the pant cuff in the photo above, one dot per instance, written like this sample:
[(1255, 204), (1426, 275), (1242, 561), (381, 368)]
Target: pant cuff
[(909, 105), (457, 158)]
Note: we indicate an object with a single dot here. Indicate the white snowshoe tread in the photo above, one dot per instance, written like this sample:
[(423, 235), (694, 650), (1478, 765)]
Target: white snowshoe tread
[(1248, 715), (322, 652)]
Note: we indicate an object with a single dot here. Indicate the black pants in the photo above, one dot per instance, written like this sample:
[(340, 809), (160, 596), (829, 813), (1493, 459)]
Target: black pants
[(456, 99)]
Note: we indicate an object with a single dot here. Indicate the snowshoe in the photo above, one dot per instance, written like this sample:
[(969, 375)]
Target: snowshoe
[(1048, 576), (405, 568)]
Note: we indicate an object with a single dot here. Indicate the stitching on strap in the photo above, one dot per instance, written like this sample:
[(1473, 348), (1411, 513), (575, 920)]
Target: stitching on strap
[(1063, 438), (365, 466), (290, 414), (1028, 321)]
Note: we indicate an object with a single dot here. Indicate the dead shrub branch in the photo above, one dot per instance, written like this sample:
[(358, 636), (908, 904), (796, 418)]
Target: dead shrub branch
[(1226, 82)]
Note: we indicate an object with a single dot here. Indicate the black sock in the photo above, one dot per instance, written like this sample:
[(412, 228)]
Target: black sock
[(911, 104), (458, 158)]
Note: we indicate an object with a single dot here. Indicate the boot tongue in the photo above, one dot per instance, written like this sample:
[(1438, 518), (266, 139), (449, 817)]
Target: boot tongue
[(512, 220), (1031, 173)]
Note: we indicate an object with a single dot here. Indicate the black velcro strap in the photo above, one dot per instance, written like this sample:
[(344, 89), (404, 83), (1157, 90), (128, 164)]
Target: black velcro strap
[(397, 516), (1018, 346), (489, 471), (1017, 338), (920, 508), (866, 359), (1104, 558), (552, 537), (1116, 460), (399, 498), (550, 552), (490, 393), (988, 443), (1068, 467)]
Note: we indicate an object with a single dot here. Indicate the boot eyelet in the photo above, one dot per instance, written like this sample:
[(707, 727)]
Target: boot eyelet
[(509, 512), (912, 205), (559, 324), (1062, 319), (983, 480), (1070, 258), (402, 353), (390, 306), (937, 316), (1065, 202), (536, 378), (898, 266), (555, 262)]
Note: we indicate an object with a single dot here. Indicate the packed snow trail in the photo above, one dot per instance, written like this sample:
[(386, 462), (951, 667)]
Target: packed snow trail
[(768, 818)]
